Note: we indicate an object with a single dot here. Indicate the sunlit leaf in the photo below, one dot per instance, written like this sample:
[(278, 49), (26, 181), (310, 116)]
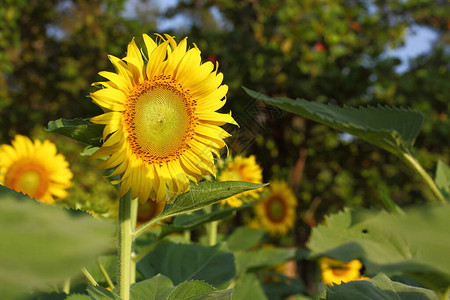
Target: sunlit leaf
[(78, 129), (378, 288), (393, 129), (45, 244), (415, 243)]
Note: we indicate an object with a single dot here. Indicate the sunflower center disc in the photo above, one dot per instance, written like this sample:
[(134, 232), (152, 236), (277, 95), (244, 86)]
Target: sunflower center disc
[(29, 179), (276, 210), (161, 120)]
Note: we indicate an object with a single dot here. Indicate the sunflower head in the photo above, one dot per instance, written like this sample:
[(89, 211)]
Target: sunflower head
[(335, 271), (276, 212), (162, 127), (34, 169), (241, 169)]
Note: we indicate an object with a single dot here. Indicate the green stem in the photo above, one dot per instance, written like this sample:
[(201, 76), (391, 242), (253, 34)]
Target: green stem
[(143, 228), (211, 228), (105, 274), (411, 161), (89, 277), (125, 244), (134, 211), (187, 235)]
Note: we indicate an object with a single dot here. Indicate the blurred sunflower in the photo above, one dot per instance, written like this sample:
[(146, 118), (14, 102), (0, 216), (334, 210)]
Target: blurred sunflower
[(241, 169), (149, 210), (162, 127), (336, 271), (276, 212), (34, 169)]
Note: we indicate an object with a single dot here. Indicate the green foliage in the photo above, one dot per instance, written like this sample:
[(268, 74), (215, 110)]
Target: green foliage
[(196, 219), (244, 238), (38, 237), (100, 293), (161, 287), (188, 262), (442, 178), (78, 129), (263, 258), (378, 288), (392, 129), (248, 287), (415, 243), (206, 193)]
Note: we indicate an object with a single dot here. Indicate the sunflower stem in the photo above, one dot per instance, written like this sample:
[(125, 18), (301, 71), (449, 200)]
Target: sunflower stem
[(211, 228), (125, 244), (134, 211), (412, 162)]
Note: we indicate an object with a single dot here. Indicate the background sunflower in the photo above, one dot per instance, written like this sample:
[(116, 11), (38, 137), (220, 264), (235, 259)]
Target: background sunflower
[(34, 169), (276, 212), (241, 169), (335, 271)]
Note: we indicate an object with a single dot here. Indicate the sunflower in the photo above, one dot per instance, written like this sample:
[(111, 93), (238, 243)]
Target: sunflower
[(149, 210), (241, 169), (336, 271), (276, 212), (34, 169), (162, 127)]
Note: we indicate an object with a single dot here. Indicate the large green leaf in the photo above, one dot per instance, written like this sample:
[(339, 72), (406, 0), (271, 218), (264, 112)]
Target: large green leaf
[(78, 129), (392, 129), (244, 238), (378, 288), (248, 287), (442, 178), (44, 244), (264, 258), (199, 196), (196, 219), (416, 243), (157, 288), (183, 262), (161, 287), (206, 193)]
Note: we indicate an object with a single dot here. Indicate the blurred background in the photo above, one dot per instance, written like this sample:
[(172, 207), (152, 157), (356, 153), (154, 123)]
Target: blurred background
[(342, 52)]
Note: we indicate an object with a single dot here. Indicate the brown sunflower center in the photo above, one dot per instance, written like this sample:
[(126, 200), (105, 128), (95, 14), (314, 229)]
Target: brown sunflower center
[(276, 209), (160, 120), (29, 178)]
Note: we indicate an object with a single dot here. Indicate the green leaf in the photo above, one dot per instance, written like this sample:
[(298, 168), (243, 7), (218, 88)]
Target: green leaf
[(100, 293), (183, 262), (442, 178), (44, 243), (78, 129), (415, 243), (190, 290), (392, 129), (378, 288), (206, 193), (156, 288), (248, 287), (78, 297), (161, 287), (244, 238), (196, 219), (282, 287), (264, 258)]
